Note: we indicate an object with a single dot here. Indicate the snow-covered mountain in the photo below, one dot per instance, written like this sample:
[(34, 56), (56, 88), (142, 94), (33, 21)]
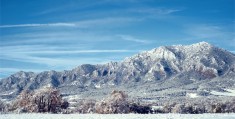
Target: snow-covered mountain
[(165, 71)]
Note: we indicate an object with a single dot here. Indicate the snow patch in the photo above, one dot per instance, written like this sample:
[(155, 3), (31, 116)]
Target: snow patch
[(192, 95), (230, 92), (157, 107), (8, 93), (72, 97), (97, 86)]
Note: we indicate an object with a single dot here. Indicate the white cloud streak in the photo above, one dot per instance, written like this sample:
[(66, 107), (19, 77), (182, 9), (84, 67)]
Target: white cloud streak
[(209, 32), (41, 49), (5, 70), (70, 51), (90, 23), (73, 38), (131, 38), (106, 22), (51, 63), (40, 25), (159, 11), (205, 31), (33, 54)]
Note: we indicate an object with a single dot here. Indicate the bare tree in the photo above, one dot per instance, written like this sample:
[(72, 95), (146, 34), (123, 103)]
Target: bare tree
[(24, 103), (167, 107), (43, 100), (178, 108), (2, 106), (140, 109), (86, 106), (48, 100), (116, 103)]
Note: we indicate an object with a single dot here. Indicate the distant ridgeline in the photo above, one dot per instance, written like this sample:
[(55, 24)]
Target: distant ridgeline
[(197, 72)]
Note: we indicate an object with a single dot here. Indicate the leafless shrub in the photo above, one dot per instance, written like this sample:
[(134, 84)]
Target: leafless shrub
[(167, 107), (86, 106), (140, 109), (188, 108), (178, 108), (116, 103), (2, 106), (230, 106), (24, 103), (44, 100)]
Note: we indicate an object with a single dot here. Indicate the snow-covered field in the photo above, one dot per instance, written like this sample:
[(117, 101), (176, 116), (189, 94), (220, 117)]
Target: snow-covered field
[(117, 116), (231, 92)]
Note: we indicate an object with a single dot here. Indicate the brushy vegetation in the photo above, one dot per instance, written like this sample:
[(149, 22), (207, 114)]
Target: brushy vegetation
[(46, 100), (49, 100), (200, 107), (118, 103), (2, 106), (115, 104)]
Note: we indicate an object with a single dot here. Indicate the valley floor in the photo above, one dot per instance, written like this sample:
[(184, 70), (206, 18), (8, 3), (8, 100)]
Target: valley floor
[(118, 116)]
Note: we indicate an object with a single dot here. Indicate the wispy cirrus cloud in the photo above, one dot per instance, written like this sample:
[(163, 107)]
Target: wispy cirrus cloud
[(106, 22), (57, 58), (50, 63), (69, 51), (40, 25), (158, 11), (61, 49), (116, 20), (218, 35), (206, 31), (80, 51), (72, 5), (89, 23), (10, 70), (131, 38), (55, 37), (54, 57), (47, 61)]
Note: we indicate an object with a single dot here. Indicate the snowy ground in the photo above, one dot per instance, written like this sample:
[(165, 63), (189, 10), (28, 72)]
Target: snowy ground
[(230, 92), (117, 116)]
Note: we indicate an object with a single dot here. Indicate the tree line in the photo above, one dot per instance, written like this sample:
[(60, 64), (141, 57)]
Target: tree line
[(49, 100)]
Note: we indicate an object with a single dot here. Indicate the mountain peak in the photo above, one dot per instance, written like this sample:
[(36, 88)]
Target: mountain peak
[(202, 44), (195, 46)]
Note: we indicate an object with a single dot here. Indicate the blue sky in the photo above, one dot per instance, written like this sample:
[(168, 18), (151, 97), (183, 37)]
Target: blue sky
[(37, 35)]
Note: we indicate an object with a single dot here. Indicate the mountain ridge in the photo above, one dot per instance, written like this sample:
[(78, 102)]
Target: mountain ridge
[(184, 65)]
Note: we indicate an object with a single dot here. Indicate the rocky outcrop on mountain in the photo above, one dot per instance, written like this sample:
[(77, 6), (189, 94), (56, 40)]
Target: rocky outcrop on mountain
[(192, 67)]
